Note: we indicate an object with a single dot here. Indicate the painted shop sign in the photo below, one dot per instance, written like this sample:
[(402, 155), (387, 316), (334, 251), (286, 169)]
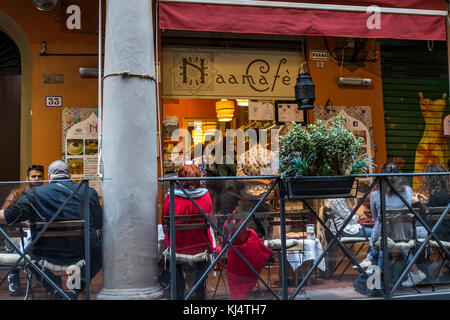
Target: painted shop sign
[(229, 73)]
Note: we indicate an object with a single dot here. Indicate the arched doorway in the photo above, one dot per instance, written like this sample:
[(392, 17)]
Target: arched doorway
[(10, 109)]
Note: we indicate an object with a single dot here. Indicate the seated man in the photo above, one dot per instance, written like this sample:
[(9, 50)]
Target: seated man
[(40, 204)]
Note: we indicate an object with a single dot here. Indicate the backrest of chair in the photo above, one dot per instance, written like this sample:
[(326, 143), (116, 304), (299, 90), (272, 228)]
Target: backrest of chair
[(68, 228), (14, 231), (400, 215), (272, 218), (188, 224), (431, 213)]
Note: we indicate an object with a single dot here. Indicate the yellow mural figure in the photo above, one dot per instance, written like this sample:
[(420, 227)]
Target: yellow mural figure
[(432, 147)]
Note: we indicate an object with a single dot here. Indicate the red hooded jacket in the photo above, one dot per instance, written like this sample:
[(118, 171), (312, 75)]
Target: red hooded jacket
[(189, 241)]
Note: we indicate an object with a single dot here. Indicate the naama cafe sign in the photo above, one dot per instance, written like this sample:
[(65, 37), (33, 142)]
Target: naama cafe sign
[(229, 73)]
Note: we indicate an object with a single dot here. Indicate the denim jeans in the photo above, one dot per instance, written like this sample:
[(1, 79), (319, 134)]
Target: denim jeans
[(404, 252), (191, 273), (359, 234)]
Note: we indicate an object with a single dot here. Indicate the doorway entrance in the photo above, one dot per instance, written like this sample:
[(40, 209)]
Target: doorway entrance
[(10, 109)]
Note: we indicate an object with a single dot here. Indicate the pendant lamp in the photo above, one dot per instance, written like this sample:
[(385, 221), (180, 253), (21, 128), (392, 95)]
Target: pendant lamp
[(304, 90), (225, 110)]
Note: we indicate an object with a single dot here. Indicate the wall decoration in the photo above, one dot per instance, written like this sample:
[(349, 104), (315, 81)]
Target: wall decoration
[(261, 110), (287, 111), (433, 147), (358, 121), (80, 143)]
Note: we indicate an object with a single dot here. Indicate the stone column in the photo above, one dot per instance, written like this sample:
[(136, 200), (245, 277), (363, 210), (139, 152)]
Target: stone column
[(129, 155)]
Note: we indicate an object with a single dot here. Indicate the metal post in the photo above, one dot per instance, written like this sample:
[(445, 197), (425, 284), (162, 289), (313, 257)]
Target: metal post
[(173, 264), (87, 245), (384, 239), (284, 284)]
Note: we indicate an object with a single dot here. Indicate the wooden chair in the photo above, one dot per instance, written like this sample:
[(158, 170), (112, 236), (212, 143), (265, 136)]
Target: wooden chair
[(190, 222), (432, 214), (8, 258), (352, 241), (62, 229), (403, 215), (55, 230)]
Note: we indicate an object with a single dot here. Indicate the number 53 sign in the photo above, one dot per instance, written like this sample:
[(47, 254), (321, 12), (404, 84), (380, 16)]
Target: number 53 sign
[(53, 101)]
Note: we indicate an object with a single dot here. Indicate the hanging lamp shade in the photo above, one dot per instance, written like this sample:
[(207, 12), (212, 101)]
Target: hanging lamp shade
[(197, 133), (197, 136), (225, 110), (242, 102)]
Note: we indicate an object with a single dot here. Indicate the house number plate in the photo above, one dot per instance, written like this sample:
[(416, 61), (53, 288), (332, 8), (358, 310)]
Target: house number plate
[(53, 101)]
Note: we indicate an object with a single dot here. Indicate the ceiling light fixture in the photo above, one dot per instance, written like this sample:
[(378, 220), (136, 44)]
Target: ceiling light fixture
[(45, 5)]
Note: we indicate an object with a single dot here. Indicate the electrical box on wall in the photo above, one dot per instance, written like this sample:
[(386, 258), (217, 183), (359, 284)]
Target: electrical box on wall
[(355, 81)]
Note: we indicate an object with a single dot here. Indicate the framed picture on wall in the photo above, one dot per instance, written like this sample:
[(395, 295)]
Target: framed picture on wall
[(287, 111)]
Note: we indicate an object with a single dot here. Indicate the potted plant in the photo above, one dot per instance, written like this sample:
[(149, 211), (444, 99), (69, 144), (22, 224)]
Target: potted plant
[(329, 152)]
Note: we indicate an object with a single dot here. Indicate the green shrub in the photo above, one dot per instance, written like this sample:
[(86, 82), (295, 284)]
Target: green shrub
[(322, 150)]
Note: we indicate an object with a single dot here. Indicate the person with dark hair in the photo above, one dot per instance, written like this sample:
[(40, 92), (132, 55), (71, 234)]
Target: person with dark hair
[(437, 189), (35, 175), (190, 242), (398, 230), (39, 204)]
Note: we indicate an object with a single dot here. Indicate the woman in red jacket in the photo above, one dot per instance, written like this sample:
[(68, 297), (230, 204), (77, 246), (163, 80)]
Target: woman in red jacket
[(190, 241)]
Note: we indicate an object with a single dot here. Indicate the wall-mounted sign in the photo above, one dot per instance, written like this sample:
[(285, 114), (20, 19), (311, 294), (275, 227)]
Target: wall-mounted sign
[(319, 55), (80, 143), (53, 101), (229, 73), (287, 111), (261, 110), (53, 78)]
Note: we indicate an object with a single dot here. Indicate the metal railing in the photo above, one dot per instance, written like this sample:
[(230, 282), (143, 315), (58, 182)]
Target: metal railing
[(26, 254), (378, 179)]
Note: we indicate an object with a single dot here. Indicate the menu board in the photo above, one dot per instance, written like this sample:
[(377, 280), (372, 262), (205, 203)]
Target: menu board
[(287, 111), (80, 143), (261, 110)]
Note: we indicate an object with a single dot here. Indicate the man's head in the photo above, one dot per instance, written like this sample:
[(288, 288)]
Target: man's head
[(35, 174), (58, 170)]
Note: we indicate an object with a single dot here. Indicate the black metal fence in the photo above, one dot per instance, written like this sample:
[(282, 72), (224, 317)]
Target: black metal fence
[(389, 283), (24, 252)]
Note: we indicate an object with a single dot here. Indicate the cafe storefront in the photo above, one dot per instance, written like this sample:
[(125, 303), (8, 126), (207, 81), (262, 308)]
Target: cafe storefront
[(222, 66), (235, 55)]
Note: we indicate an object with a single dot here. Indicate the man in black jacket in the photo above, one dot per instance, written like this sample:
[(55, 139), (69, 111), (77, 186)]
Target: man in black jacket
[(41, 203)]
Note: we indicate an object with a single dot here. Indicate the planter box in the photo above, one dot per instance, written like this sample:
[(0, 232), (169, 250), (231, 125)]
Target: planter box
[(319, 187)]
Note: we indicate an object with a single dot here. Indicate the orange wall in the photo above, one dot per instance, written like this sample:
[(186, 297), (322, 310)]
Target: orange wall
[(201, 108), (326, 78), (50, 27)]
